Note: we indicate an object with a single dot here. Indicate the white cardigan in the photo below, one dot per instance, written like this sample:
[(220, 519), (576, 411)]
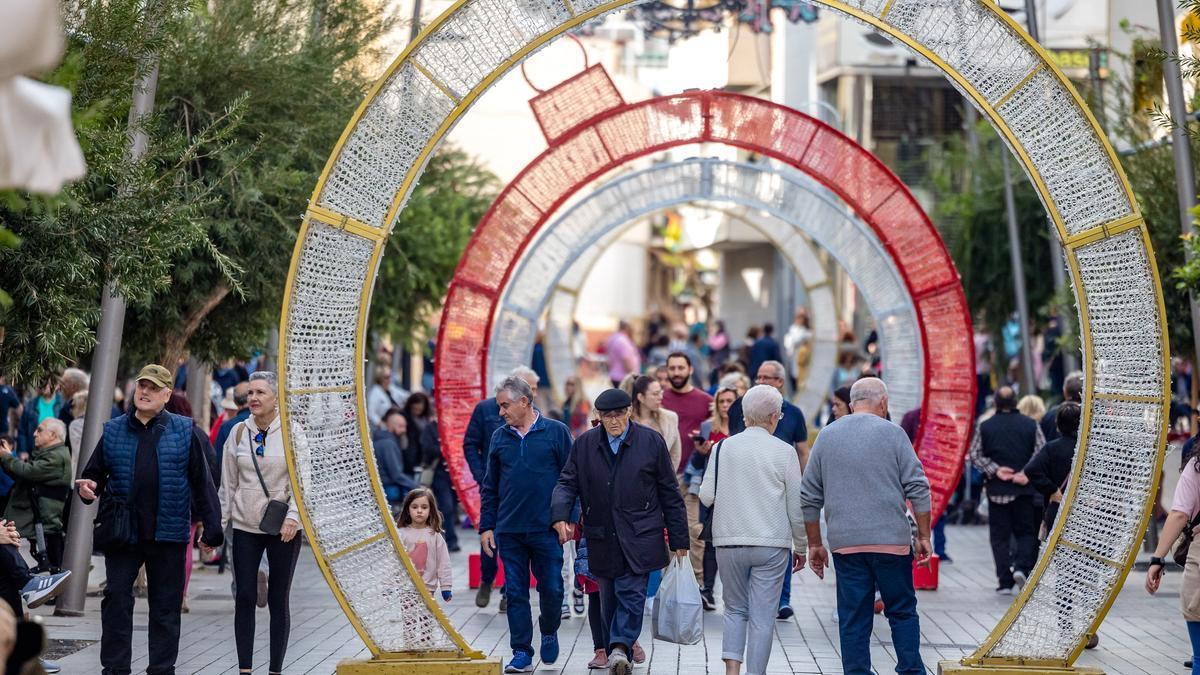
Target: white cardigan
[(758, 497)]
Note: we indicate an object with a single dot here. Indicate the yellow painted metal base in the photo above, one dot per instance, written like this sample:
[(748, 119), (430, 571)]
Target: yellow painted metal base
[(420, 667), (957, 668)]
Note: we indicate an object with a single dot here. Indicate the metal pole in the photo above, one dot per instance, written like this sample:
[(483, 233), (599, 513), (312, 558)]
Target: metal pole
[(1058, 270), (198, 390), (415, 29), (270, 360), (1181, 147), (1028, 383), (78, 553)]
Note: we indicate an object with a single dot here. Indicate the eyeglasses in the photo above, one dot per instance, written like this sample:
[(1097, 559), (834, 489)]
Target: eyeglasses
[(261, 439)]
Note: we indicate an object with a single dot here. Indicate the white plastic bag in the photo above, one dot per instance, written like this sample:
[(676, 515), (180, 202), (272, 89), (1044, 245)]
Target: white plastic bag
[(678, 614)]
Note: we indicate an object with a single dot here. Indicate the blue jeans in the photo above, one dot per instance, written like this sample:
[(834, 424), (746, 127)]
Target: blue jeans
[(939, 537), (1194, 634), (622, 607), (540, 553), (785, 596), (858, 575)]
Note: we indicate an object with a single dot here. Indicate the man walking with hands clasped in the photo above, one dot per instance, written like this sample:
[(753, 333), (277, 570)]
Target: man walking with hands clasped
[(861, 472), (625, 481)]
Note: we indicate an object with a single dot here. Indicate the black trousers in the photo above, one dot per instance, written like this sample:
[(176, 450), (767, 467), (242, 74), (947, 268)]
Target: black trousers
[(14, 574), (54, 551), (596, 622), (1018, 520), (248, 549), (165, 564)]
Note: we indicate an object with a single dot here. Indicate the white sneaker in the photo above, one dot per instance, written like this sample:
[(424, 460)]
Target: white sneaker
[(40, 589), (1019, 580), (618, 663)]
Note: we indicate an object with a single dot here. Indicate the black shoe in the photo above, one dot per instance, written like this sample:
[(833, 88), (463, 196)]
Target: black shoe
[(1188, 664), (454, 548), (707, 599), (785, 613)]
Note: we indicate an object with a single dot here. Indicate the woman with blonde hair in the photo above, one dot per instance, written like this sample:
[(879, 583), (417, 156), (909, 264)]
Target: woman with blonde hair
[(713, 430), (1032, 406), (576, 409)]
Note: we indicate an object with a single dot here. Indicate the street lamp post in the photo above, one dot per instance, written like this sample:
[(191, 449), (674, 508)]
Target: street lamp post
[(77, 556), (1181, 148)]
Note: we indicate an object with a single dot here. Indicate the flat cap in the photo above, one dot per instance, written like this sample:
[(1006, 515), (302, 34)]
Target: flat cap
[(612, 399)]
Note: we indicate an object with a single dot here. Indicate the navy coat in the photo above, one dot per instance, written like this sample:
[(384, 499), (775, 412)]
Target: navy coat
[(627, 500)]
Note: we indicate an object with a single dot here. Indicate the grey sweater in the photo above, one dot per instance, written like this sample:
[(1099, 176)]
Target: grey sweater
[(861, 471)]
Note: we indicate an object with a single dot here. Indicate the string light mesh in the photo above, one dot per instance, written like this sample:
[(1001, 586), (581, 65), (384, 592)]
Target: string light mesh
[(335, 484), (1059, 147), (574, 239)]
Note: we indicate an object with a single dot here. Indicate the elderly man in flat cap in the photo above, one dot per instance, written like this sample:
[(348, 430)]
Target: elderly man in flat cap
[(623, 476)]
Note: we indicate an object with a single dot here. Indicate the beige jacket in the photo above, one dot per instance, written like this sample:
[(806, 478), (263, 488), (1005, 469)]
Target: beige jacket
[(670, 433), (242, 499)]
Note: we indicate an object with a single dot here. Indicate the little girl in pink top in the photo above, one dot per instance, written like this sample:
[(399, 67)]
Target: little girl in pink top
[(420, 526)]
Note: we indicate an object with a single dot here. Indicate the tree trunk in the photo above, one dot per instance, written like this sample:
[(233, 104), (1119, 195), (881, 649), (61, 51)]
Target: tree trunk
[(175, 345)]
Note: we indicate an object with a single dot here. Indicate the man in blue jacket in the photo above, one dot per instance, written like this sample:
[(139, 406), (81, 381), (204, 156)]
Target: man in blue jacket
[(485, 420), (625, 481), (526, 457)]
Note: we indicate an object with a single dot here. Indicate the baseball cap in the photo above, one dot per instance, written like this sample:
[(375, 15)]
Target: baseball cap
[(156, 374)]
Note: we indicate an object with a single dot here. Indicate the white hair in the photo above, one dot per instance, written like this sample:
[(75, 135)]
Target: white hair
[(780, 371), (56, 427), (77, 377), (760, 403), (868, 389), (266, 376), (527, 374), (516, 388)]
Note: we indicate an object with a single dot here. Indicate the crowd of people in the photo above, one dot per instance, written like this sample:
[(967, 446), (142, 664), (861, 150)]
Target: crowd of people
[(684, 461)]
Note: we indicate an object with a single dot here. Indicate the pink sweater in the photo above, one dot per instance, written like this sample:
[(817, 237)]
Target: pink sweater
[(430, 555)]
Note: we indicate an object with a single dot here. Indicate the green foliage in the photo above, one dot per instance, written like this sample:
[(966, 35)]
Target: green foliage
[(1149, 166), (968, 188), (295, 69), (123, 222), (425, 246)]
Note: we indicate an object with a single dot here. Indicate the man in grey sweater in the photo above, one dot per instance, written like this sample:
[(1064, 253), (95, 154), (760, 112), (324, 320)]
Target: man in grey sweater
[(861, 471)]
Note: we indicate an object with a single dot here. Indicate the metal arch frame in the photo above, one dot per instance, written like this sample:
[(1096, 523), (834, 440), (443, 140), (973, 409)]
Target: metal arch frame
[(809, 146), (554, 342), (1125, 228), (629, 189)]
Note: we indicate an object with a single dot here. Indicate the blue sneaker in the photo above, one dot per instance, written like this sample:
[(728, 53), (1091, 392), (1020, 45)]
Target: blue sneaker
[(549, 648), (522, 662)]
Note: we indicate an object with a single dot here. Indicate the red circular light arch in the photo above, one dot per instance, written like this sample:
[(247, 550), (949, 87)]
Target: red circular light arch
[(579, 155)]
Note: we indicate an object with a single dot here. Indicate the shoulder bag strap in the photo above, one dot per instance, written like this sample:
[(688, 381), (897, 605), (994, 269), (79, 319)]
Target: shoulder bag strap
[(254, 458), (716, 469)]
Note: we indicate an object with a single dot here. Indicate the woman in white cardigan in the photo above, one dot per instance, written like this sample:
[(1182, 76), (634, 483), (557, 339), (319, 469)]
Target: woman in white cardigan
[(752, 484)]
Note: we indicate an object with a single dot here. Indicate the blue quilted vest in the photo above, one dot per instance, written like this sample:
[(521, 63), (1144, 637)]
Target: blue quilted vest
[(173, 523)]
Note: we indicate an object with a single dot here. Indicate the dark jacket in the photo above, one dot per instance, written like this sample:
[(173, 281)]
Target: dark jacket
[(627, 500), (210, 460), (521, 475), (1051, 465), (1009, 439), (391, 465), (764, 348), (1049, 423), (485, 420), (48, 471), (167, 475), (223, 435)]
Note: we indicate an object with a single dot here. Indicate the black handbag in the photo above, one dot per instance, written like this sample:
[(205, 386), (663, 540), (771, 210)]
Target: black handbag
[(706, 533), (116, 523), (1185, 541), (276, 511)]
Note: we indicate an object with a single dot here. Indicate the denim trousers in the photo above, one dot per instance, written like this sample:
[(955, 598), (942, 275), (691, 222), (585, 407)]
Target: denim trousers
[(540, 553), (858, 577)]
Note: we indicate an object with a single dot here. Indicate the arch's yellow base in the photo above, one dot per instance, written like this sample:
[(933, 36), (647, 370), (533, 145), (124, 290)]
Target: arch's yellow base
[(958, 668), (418, 666)]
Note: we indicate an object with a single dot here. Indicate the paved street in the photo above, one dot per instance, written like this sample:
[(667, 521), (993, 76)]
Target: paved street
[(1141, 635)]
